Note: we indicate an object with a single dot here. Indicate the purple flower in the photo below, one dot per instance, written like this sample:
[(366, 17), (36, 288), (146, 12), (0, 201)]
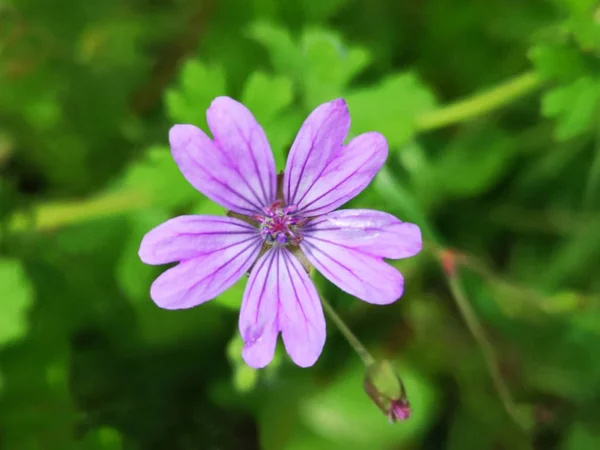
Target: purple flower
[(274, 223)]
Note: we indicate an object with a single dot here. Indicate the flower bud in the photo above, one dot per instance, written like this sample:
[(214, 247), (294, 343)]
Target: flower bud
[(386, 389)]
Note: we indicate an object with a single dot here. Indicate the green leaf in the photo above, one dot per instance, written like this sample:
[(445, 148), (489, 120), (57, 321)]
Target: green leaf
[(583, 22), (402, 202), (198, 85), (320, 61), (574, 106), (268, 96), (344, 414), (17, 297), (285, 55), (159, 179), (581, 437), (390, 107), (558, 61), (132, 274), (328, 65), (244, 376), (471, 164), (104, 438)]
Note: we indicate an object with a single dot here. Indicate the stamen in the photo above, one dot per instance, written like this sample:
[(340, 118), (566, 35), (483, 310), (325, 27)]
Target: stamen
[(279, 224)]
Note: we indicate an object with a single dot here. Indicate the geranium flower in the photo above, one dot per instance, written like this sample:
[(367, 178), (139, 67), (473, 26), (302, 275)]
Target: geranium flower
[(274, 223)]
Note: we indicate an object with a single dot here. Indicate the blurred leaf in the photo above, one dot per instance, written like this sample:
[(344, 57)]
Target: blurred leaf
[(575, 107), (104, 438), (584, 22), (285, 55), (470, 165), (558, 62), (321, 9), (463, 433), (328, 66), (244, 376), (160, 327), (158, 178), (319, 62), (400, 201), (581, 438), (267, 97), (390, 107), (344, 414), (132, 274), (571, 259), (199, 84), (17, 297)]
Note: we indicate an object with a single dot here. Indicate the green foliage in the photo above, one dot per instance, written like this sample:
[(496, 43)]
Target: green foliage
[(89, 91), (158, 180), (272, 114), (390, 107), (199, 84), (17, 298), (576, 107)]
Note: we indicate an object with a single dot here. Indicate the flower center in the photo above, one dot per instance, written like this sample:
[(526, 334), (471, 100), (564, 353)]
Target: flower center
[(279, 224)]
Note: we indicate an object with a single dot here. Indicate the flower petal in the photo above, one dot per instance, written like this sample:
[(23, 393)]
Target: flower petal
[(202, 278), (301, 317), (258, 315), (281, 297), (211, 171), (244, 144), (320, 137), (350, 171), (358, 273), (374, 232), (187, 237)]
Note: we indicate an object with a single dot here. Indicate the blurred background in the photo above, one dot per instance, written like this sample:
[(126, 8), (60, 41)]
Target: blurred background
[(491, 110)]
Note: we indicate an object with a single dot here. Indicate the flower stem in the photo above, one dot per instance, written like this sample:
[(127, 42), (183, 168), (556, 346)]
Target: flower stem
[(476, 105), (486, 348), (52, 215), (364, 354)]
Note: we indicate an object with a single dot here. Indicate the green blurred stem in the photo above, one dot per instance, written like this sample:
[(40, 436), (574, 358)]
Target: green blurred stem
[(348, 334), (53, 215), (486, 348), (479, 104)]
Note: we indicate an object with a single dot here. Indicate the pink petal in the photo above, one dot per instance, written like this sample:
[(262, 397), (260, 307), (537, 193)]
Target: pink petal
[(258, 315), (350, 171), (322, 134), (245, 146), (374, 232), (237, 169), (301, 317), (202, 278), (354, 271), (187, 237), (281, 297)]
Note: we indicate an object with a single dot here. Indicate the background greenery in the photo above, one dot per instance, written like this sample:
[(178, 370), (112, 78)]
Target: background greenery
[(491, 109)]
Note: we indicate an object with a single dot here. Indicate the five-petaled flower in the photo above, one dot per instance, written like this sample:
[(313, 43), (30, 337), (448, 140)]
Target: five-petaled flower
[(274, 223)]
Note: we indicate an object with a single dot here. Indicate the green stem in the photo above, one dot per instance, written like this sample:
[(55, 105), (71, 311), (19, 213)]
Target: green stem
[(350, 337), (53, 215), (476, 105), (486, 348)]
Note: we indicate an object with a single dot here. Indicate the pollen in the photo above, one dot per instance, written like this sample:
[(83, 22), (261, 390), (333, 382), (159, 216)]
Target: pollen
[(279, 225)]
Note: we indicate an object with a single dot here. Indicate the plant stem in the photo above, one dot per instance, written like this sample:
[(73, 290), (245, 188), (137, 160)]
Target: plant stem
[(350, 337), (49, 216), (476, 105), (486, 348)]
